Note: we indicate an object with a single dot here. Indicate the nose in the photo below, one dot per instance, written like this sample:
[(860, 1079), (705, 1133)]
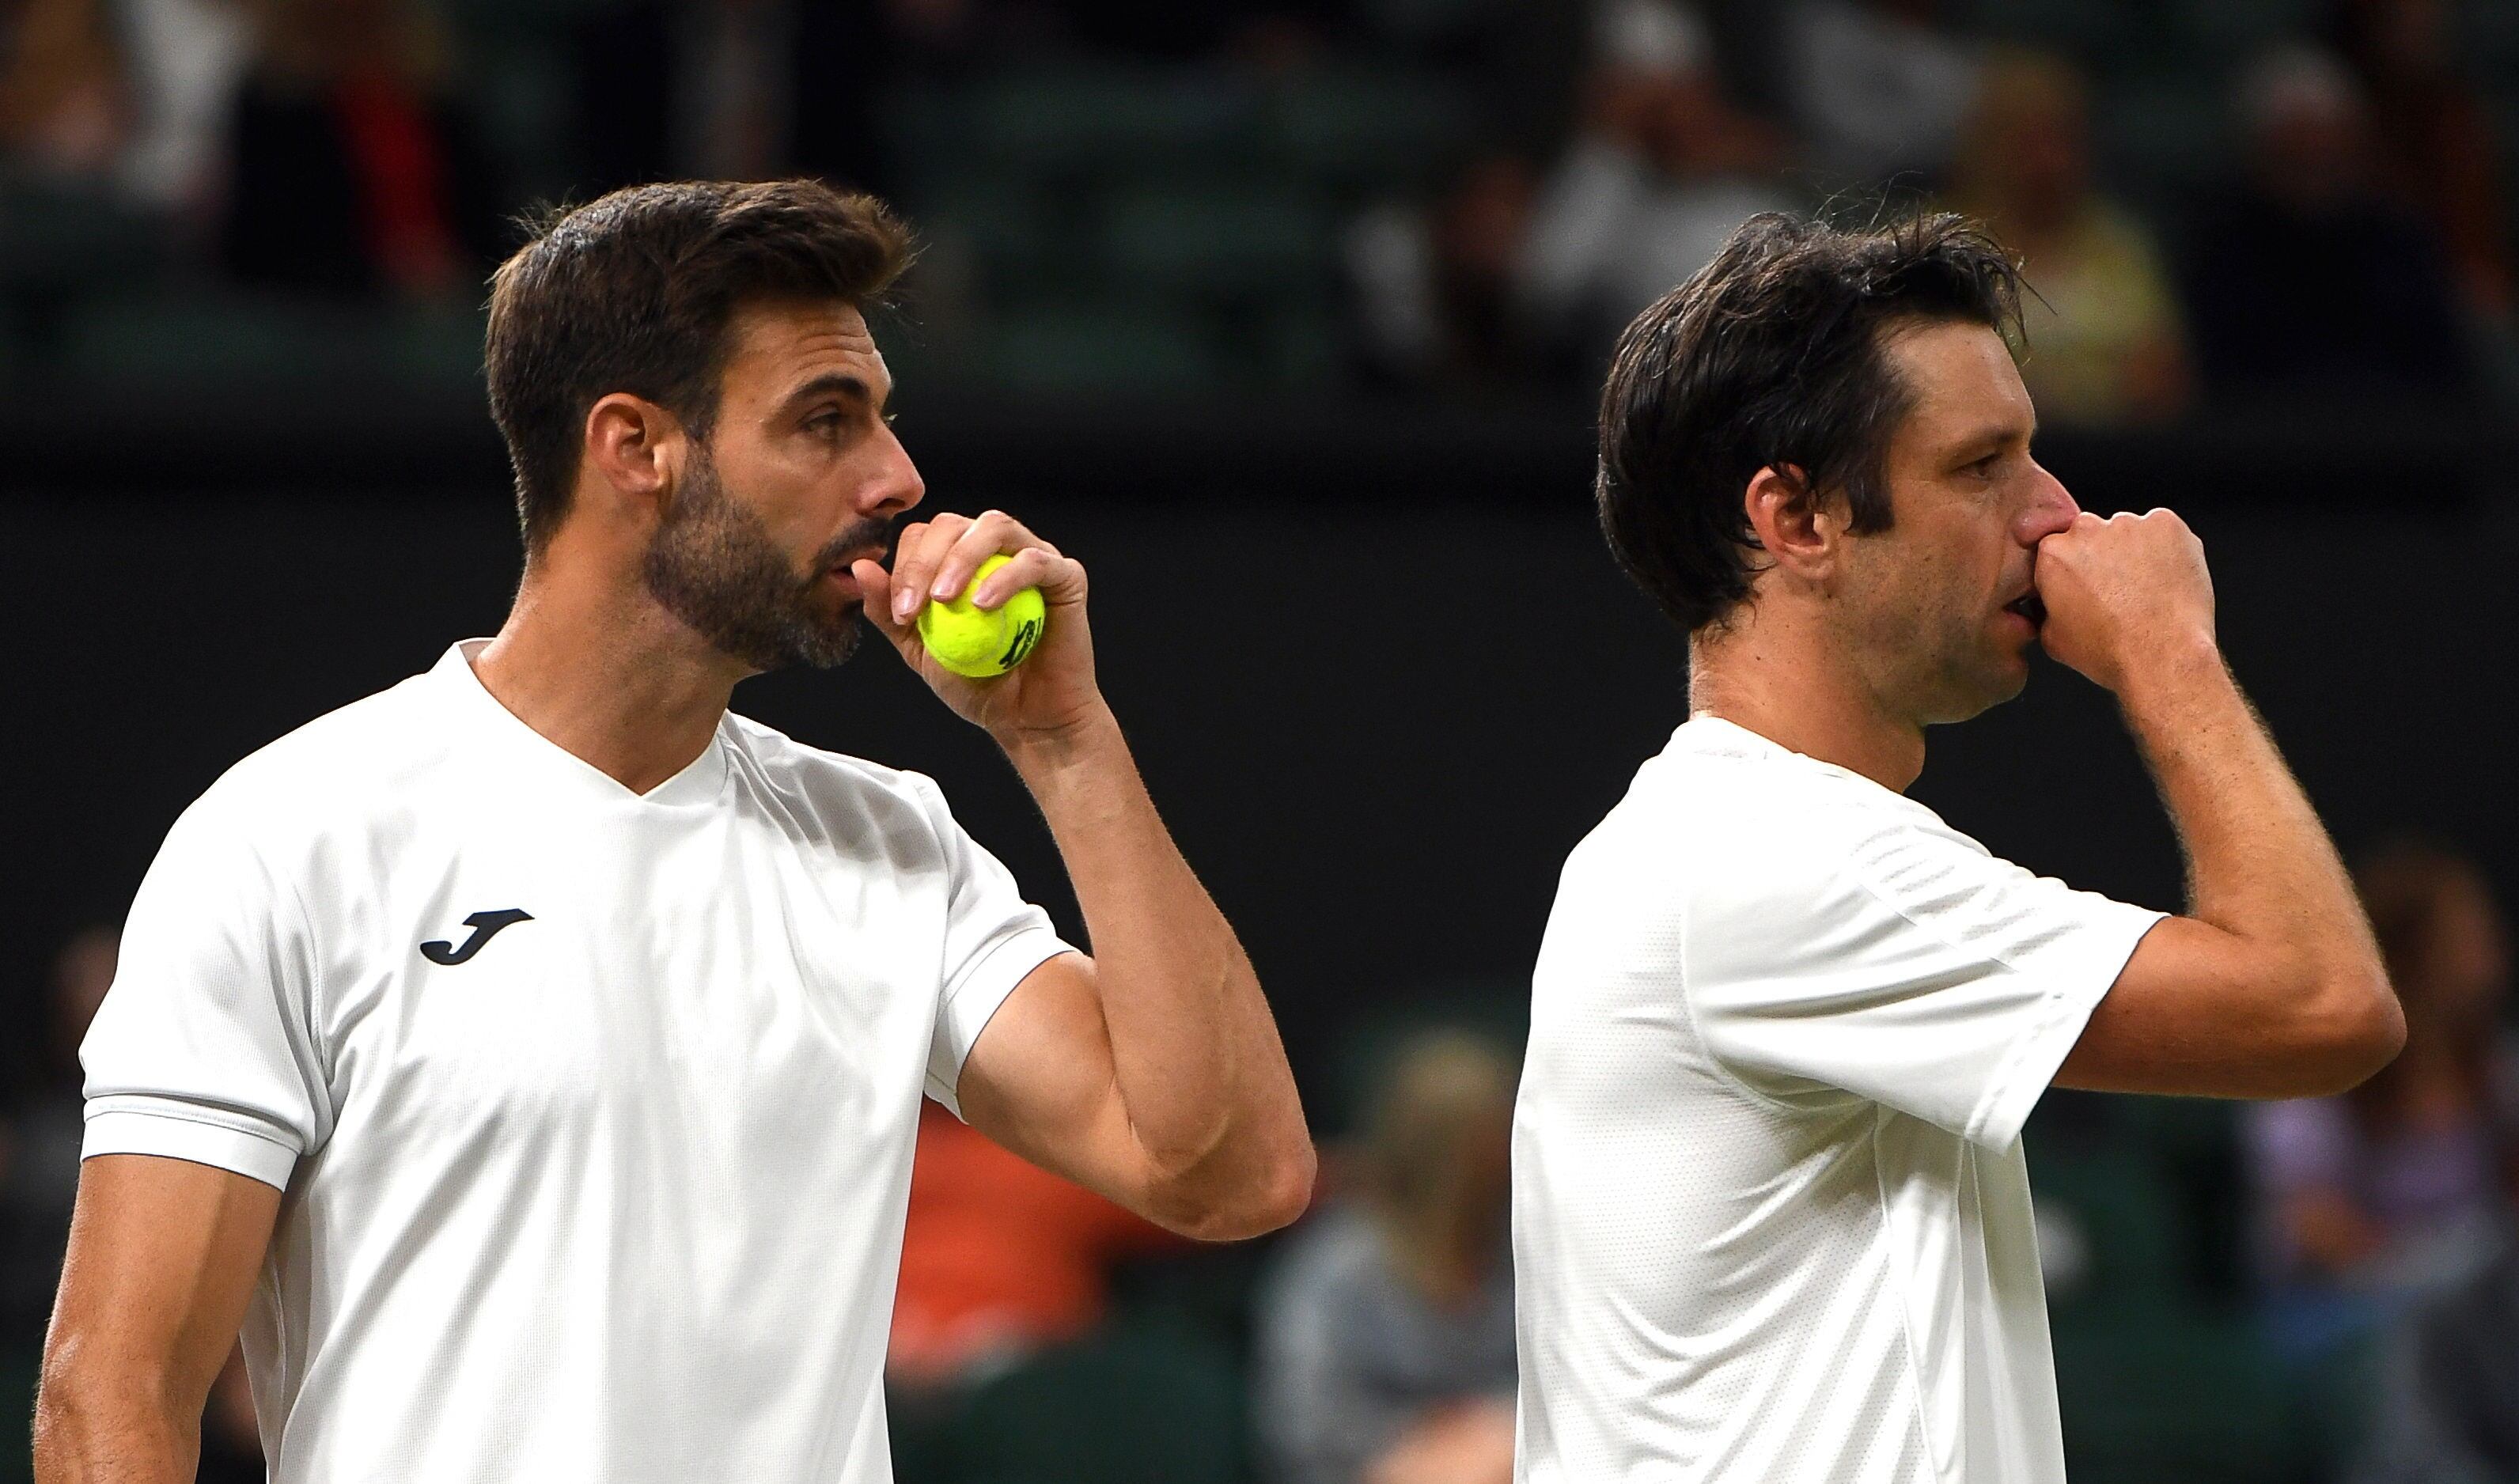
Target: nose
[(2050, 510), (895, 485)]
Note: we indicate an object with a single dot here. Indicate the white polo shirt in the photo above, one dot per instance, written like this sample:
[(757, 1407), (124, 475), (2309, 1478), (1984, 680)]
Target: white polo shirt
[(593, 1111), (1771, 1218)]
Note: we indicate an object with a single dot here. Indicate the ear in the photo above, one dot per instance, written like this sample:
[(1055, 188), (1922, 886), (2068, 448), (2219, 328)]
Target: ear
[(634, 453), (1799, 530)]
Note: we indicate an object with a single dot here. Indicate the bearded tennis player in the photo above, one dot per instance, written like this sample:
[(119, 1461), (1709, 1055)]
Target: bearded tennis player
[(1771, 1218), (527, 1057)]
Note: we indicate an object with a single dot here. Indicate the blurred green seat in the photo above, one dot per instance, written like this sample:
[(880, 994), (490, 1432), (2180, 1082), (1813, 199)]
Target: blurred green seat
[(1141, 1402), (2164, 134), (1082, 348), (1102, 120), (56, 240), (2161, 1381), (2229, 33), (234, 342), (1223, 238), (2092, 32), (1375, 129)]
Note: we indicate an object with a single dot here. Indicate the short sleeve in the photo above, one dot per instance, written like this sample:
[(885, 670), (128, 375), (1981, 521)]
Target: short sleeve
[(204, 1048), (1905, 964), (992, 938)]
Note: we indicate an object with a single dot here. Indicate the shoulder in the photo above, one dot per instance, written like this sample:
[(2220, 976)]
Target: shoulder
[(1752, 820), (346, 766), (831, 786)]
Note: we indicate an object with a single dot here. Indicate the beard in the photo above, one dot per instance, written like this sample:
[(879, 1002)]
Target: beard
[(714, 564)]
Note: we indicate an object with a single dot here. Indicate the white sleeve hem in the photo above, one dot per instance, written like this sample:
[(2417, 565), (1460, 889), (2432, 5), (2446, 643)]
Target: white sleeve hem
[(2030, 1067), (975, 999), (177, 1132)]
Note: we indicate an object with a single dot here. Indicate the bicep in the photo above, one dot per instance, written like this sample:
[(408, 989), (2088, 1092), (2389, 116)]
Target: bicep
[(2200, 1012), (1040, 1083), (163, 1255)]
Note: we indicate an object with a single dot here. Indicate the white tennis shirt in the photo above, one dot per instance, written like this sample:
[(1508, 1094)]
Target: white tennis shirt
[(593, 1110), (1771, 1217)]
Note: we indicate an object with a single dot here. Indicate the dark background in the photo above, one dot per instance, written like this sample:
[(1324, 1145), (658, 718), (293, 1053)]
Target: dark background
[(1379, 669)]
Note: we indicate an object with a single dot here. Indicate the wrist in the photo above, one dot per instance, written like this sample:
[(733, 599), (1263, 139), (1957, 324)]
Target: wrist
[(2163, 673), (1047, 748)]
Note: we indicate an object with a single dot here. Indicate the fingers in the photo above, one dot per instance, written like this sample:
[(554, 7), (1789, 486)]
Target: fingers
[(915, 557), (935, 559), (1031, 567), (993, 533), (874, 588)]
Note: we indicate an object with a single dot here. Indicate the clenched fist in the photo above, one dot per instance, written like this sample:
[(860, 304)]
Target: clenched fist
[(2122, 593)]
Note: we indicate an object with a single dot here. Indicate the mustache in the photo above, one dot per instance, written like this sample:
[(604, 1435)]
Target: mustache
[(883, 532)]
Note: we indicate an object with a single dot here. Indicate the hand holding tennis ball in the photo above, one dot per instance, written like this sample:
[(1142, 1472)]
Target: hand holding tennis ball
[(966, 596), (980, 642)]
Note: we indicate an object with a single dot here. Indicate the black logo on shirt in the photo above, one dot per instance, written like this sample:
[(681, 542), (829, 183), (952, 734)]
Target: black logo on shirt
[(485, 926)]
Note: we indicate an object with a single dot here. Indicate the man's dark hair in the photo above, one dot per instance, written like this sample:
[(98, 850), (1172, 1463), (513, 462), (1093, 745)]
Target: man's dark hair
[(635, 292), (1773, 356)]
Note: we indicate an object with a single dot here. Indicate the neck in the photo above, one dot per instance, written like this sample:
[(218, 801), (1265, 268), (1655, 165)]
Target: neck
[(1779, 675), (603, 671)]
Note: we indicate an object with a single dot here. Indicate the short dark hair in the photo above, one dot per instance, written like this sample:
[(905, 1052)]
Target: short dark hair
[(633, 292), (1773, 356)]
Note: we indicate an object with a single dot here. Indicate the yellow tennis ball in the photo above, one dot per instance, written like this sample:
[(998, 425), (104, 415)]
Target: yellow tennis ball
[(979, 642)]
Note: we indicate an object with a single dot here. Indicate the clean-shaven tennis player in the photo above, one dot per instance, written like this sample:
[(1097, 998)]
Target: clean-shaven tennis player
[(528, 1056), (1771, 1220)]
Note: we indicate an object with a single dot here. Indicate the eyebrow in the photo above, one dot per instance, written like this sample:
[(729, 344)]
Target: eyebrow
[(1994, 437), (843, 384)]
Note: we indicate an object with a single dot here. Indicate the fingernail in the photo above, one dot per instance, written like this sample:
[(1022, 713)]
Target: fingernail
[(905, 604)]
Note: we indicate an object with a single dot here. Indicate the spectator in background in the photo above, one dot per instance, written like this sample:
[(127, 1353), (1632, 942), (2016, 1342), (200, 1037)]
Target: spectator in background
[(1433, 289), (2105, 341), (1877, 88), (65, 109), (123, 95), (2311, 283), (350, 172), (2378, 1194), (998, 1258), (1660, 171), (740, 89), (1386, 1351), (2440, 153)]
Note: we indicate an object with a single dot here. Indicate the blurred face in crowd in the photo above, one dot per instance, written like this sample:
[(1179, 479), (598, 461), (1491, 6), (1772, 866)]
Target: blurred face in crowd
[(2026, 154), (2458, 971), (1939, 610), (2310, 139), (798, 476), (81, 975)]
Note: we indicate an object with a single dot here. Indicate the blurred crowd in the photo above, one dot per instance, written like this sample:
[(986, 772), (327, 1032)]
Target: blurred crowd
[(2300, 201), (2351, 1326)]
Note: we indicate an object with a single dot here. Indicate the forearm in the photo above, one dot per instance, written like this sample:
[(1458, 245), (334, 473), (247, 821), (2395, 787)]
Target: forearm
[(2261, 866), (1195, 1052)]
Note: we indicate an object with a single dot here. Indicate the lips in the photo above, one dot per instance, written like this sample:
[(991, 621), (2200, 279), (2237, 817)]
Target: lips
[(2029, 606)]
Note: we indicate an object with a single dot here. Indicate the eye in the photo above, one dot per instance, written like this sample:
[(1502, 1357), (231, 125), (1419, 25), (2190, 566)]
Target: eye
[(1984, 467)]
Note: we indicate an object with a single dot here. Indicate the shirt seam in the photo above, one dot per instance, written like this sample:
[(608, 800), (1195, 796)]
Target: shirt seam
[(974, 967), (1713, 1054), (316, 1033), (2013, 1048), (1905, 1310), (164, 1110)]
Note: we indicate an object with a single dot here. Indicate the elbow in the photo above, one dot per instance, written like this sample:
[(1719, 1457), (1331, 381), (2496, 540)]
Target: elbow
[(1270, 1194), (2356, 1031), (67, 1403)]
